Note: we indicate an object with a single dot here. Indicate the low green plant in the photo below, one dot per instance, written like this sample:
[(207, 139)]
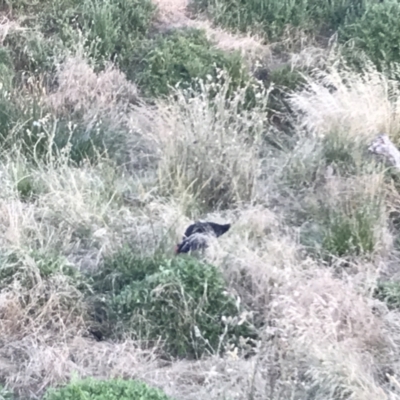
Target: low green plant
[(112, 389), (182, 301), (389, 292), (352, 232), (23, 120), (343, 152), (341, 210), (376, 33), (182, 56), (26, 187)]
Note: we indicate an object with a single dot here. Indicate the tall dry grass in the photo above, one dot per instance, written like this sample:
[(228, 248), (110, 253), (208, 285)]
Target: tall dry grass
[(208, 146), (339, 99)]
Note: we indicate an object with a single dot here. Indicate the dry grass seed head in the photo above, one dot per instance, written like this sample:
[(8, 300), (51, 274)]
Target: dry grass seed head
[(343, 100), (208, 148)]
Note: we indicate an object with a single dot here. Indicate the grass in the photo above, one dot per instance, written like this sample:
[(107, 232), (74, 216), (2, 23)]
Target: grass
[(182, 57), (104, 28), (274, 17), (100, 151), (207, 161), (363, 27), (375, 33)]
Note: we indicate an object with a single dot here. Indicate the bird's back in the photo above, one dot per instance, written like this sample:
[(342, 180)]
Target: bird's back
[(195, 236), (207, 227)]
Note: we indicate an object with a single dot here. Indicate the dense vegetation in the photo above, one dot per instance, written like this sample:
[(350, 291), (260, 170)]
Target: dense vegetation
[(106, 390), (181, 301), (123, 120)]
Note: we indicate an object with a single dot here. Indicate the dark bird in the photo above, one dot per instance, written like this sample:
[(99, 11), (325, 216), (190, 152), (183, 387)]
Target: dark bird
[(197, 234)]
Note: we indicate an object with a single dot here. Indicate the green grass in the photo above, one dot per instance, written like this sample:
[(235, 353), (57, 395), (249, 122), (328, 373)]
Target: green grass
[(309, 161), (273, 17), (376, 33), (108, 30), (182, 57), (364, 26)]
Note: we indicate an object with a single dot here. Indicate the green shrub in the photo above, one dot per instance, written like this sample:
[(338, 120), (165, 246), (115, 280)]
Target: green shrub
[(376, 32), (274, 16), (389, 292), (180, 300), (113, 389), (182, 57)]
